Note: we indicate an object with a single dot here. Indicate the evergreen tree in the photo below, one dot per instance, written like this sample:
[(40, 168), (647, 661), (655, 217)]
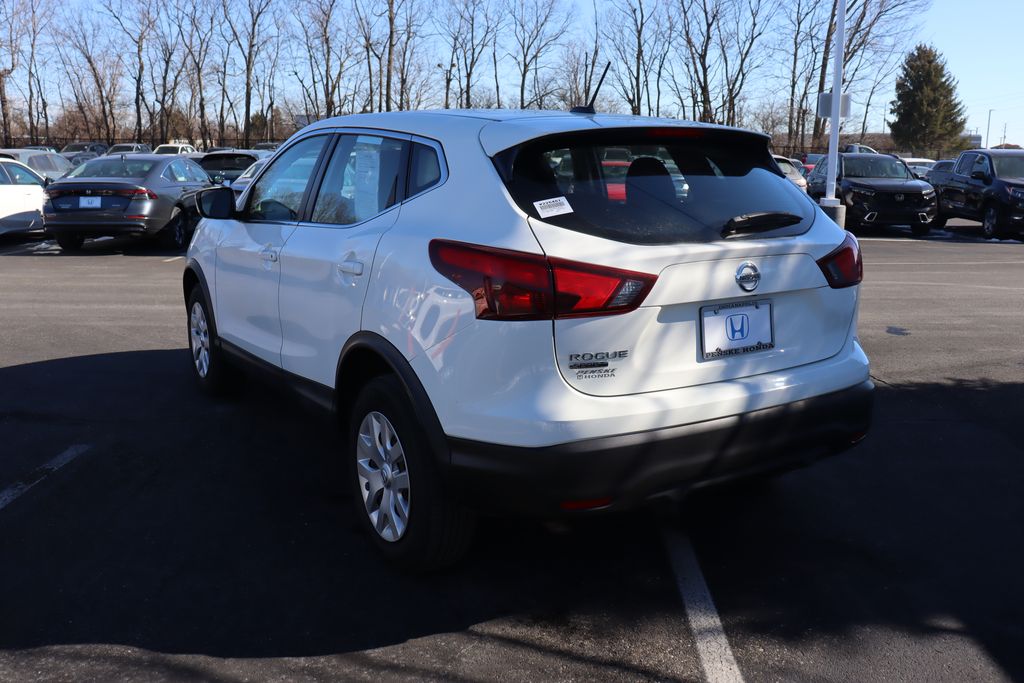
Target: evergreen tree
[(928, 113)]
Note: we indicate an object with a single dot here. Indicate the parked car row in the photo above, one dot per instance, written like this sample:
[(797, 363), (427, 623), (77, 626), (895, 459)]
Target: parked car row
[(128, 190)]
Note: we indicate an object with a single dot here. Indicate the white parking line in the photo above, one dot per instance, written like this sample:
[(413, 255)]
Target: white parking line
[(173, 258), (13, 492), (716, 658)]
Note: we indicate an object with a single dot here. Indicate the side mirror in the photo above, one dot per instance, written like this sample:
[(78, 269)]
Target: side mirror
[(216, 202), (979, 175), (218, 178), (46, 181)]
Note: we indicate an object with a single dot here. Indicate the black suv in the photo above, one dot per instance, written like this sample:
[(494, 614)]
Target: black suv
[(878, 189), (986, 185)]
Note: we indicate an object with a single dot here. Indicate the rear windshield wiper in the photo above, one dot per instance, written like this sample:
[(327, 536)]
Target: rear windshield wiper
[(763, 221)]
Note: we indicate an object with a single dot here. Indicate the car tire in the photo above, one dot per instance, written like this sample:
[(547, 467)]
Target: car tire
[(175, 235), (990, 227), (920, 229), (70, 241), (939, 222), (213, 374), (394, 475)]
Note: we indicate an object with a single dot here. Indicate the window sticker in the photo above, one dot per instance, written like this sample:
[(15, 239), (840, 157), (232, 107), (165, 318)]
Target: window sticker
[(555, 206)]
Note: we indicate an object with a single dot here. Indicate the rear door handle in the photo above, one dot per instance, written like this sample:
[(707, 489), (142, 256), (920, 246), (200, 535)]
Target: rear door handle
[(350, 268)]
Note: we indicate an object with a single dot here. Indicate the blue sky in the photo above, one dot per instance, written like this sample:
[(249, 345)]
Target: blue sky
[(983, 43)]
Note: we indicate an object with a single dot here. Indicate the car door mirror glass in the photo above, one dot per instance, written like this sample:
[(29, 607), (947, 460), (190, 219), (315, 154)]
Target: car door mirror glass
[(217, 203)]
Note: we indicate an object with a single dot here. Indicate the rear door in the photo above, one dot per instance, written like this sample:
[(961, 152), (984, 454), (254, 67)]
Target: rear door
[(327, 262), (249, 255), (955, 194), (721, 309)]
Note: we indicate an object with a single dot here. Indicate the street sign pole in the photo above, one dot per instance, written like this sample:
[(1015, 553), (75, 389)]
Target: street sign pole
[(832, 206)]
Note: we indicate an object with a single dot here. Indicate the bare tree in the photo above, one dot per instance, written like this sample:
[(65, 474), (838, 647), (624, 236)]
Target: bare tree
[(537, 26), (248, 23), (12, 32), (136, 20), (630, 29)]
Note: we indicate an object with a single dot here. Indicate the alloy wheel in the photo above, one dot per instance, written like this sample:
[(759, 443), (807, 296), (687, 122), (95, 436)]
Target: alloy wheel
[(383, 476), (199, 339)]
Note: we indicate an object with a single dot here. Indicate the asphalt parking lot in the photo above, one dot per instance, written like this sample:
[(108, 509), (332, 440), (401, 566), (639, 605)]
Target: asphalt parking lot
[(149, 533)]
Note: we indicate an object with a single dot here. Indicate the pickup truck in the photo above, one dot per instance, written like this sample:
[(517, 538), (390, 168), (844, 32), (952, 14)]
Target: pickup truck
[(985, 185)]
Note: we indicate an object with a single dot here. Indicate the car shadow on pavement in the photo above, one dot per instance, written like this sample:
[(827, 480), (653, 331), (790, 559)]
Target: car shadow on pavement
[(219, 528), (914, 535)]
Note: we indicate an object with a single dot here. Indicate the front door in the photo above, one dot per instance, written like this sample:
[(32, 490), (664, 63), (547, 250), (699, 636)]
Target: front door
[(327, 262), (248, 256), (21, 198)]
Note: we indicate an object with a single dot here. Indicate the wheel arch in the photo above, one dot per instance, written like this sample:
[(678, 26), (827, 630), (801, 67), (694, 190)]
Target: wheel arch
[(192, 277), (367, 355)]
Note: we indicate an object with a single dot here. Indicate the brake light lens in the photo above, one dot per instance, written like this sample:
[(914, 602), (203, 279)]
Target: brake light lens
[(513, 285), (138, 193), (844, 266)]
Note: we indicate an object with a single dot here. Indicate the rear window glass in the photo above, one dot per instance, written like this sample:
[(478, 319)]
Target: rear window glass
[(226, 162), (1009, 166), (114, 167), (654, 186)]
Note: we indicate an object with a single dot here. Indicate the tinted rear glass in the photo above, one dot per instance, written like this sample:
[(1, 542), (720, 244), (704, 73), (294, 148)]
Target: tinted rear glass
[(652, 186), (115, 167), (76, 147), (226, 162), (1009, 166)]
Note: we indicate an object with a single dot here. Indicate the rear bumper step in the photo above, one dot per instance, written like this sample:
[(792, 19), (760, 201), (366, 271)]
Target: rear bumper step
[(623, 471)]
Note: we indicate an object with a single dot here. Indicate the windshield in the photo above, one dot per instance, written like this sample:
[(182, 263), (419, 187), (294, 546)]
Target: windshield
[(116, 167), (117, 149), (651, 185), (875, 167), (76, 147), (166, 149), (1010, 166)]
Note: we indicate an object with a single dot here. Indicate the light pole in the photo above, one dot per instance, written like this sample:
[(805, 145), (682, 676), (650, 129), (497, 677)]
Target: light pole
[(833, 206), (988, 126)]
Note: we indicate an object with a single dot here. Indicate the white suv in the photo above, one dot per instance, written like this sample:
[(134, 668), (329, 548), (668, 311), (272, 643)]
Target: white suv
[(505, 320)]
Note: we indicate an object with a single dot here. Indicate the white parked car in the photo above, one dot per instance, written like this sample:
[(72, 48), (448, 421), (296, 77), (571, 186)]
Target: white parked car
[(174, 149), (497, 337), (21, 198)]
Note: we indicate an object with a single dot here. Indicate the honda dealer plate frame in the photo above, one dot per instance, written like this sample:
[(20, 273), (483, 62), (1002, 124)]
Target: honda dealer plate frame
[(737, 328)]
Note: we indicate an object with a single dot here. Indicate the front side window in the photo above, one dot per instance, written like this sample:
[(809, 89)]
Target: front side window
[(277, 196), (39, 163), (981, 164), (654, 185), (963, 167), (361, 181)]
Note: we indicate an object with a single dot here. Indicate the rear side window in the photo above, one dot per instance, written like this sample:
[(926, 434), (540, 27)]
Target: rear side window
[(424, 168), (361, 180), (22, 176), (654, 185)]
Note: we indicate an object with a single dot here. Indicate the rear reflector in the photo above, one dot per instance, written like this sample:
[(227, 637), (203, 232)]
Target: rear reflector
[(844, 266), (514, 285)]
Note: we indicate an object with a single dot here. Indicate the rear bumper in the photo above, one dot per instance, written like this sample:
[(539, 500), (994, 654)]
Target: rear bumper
[(617, 472), (106, 226)]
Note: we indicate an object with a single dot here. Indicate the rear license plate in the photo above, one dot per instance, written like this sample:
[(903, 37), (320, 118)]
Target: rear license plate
[(734, 329), (90, 202)]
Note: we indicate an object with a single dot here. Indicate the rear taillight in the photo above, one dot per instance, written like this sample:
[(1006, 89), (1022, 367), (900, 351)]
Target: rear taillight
[(137, 193), (843, 267), (513, 285)]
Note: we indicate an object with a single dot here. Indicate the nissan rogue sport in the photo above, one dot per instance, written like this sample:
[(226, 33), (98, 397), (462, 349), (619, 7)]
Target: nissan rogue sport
[(499, 338)]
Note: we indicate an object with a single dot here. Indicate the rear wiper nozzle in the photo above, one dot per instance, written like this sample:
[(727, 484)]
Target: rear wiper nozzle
[(764, 221)]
